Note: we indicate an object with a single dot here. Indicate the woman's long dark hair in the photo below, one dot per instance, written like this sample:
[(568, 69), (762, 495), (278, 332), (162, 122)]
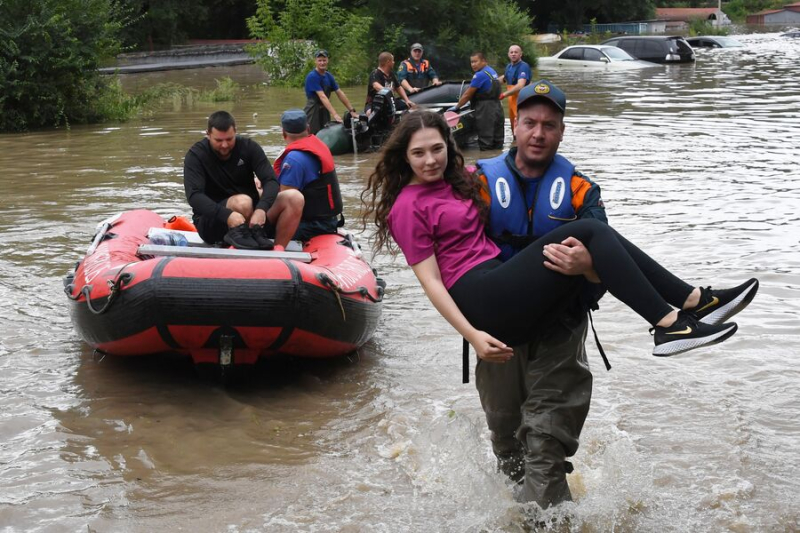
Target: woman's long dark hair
[(393, 172)]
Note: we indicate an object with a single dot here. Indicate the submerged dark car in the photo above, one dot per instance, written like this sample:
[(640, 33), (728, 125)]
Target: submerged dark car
[(713, 41), (656, 49)]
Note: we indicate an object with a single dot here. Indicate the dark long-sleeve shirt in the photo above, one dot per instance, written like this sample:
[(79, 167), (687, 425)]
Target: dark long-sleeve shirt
[(208, 180)]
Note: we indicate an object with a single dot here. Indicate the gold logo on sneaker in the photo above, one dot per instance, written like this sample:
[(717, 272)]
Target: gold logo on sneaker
[(682, 332), (714, 301)]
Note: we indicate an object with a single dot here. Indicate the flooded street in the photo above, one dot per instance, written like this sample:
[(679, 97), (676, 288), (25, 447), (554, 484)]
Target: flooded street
[(698, 165)]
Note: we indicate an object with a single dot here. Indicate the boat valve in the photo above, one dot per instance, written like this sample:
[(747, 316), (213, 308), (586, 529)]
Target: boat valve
[(225, 351)]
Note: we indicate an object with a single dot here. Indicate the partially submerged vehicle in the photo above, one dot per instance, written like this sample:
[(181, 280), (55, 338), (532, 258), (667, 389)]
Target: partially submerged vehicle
[(655, 48), (714, 41), (593, 57)]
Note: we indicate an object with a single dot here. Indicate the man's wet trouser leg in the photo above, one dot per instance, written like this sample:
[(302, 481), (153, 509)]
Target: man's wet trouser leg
[(316, 115), (490, 123), (535, 407)]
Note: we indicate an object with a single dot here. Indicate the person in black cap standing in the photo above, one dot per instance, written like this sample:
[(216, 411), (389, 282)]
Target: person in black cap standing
[(228, 202), (416, 73), (536, 404), (306, 165), (318, 86)]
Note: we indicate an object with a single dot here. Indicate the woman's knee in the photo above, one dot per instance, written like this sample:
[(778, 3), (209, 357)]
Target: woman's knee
[(586, 228)]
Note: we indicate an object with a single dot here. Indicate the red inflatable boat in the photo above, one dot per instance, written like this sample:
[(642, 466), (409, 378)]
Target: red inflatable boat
[(226, 306)]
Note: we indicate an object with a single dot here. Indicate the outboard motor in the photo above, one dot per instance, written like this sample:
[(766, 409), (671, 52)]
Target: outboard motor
[(361, 124), (383, 111), (382, 119), (358, 129)]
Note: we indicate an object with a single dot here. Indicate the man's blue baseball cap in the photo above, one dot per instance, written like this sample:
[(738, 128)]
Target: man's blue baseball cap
[(543, 89), (294, 121)]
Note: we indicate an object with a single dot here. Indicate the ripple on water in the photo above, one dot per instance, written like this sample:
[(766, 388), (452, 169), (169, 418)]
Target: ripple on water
[(697, 163)]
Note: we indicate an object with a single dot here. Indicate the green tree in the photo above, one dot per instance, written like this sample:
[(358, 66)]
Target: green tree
[(450, 34), (49, 53), (292, 32), (573, 14), (162, 23), (737, 10)]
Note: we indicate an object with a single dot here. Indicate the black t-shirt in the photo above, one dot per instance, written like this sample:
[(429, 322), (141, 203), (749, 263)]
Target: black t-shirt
[(389, 81), (208, 180)]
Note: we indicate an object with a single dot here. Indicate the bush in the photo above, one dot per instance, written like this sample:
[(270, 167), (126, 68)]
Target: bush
[(704, 27), (302, 26), (450, 34), (114, 104), (49, 53), (225, 91)]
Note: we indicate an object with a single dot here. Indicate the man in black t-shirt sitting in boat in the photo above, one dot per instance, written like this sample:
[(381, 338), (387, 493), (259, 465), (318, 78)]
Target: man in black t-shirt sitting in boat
[(228, 202)]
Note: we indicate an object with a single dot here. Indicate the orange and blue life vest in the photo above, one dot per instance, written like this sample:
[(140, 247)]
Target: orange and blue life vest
[(418, 76), (424, 65)]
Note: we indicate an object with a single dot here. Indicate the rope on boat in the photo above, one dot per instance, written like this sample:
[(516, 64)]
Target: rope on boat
[(337, 291), (114, 287)]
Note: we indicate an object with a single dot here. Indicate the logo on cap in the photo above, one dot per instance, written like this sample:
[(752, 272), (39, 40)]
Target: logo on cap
[(542, 88)]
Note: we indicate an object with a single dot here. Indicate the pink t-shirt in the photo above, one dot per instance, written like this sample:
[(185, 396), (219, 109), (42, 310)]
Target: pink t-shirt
[(428, 219)]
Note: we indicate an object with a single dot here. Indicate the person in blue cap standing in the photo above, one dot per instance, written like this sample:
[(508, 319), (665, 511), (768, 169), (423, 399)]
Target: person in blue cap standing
[(319, 86), (483, 95), (306, 165)]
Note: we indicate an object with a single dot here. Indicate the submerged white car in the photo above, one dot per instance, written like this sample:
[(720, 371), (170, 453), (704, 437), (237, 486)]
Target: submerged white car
[(586, 56)]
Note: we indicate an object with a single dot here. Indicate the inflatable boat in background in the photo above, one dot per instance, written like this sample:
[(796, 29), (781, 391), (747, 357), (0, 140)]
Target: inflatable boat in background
[(367, 134)]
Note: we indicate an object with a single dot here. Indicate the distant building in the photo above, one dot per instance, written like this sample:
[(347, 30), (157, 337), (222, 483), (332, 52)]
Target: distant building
[(789, 15), (677, 18)]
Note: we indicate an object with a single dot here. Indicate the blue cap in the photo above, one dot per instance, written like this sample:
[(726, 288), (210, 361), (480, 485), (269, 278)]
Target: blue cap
[(543, 89), (318, 53), (294, 121)]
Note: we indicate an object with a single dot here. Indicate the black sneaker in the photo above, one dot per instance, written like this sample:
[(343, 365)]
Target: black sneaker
[(259, 234), (241, 237), (688, 333), (717, 306)]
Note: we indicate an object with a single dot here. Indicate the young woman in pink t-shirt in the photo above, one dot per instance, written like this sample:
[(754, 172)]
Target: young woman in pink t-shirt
[(422, 197)]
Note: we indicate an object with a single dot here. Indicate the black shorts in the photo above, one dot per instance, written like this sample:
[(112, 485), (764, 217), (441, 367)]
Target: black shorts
[(213, 231)]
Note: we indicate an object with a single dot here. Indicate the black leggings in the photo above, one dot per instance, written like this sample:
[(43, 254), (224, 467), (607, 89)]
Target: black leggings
[(509, 300)]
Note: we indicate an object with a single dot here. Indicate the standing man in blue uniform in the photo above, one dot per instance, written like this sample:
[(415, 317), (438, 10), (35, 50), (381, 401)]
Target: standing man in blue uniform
[(416, 73), (536, 403), (516, 77), (319, 85), (306, 165), (483, 95)]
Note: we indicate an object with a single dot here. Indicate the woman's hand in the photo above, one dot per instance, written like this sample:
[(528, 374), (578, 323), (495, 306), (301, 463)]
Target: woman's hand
[(490, 349)]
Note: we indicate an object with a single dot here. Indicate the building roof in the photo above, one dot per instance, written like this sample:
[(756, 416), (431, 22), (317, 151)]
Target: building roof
[(767, 12), (685, 13)]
